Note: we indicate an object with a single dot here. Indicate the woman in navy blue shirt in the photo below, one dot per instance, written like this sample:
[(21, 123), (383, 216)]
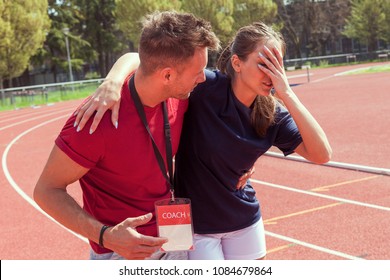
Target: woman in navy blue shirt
[(234, 117)]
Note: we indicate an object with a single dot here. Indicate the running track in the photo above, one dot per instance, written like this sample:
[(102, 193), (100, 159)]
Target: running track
[(310, 211)]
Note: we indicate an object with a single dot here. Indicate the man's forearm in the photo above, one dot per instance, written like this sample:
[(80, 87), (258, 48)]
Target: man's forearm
[(64, 209)]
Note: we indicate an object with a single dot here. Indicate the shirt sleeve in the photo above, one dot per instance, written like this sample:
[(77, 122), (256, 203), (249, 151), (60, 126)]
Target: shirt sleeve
[(287, 137), (83, 148)]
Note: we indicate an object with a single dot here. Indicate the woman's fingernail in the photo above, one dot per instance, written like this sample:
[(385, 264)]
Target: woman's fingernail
[(75, 124), (78, 129), (116, 124), (90, 131)]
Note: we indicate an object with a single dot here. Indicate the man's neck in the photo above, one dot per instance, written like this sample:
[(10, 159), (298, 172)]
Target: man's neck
[(149, 91)]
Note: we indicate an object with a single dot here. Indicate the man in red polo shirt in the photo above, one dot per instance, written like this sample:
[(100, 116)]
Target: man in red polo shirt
[(117, 167)]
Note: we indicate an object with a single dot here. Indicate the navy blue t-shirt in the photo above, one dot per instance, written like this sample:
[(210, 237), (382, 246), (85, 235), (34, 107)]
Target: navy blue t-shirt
[(217, 146)]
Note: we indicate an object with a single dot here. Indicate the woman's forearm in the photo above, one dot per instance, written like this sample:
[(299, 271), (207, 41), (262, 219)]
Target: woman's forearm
[(126, 64), (316, 147)]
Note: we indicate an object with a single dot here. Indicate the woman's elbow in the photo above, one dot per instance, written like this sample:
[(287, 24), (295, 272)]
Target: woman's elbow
[(318, 155), (324, 156)]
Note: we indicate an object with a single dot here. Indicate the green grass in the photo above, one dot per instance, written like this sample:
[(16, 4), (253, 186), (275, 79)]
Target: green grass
[(372, 69), (53, 96)]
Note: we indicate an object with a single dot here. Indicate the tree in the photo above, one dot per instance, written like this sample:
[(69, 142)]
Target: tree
[(94, 36), (53, 56), (326, 19), (367, 22), (23, 29), (311, 26), (218, 12), (289, 18), (249, 11), (386, 10), (129, 14), (336, 12), (319, 31), (99, 28)]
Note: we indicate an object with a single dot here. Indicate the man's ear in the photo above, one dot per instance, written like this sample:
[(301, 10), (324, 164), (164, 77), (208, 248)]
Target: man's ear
[(236, 63), (167, 75)]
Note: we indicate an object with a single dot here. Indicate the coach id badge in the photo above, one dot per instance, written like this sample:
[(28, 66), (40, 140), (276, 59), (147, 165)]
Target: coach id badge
[(174, 221)]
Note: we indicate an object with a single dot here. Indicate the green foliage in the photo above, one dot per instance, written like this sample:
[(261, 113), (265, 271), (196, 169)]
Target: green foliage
[(218, 12), (324, 63), (129, 14), (53, 55), (312, 26), (102, 30), (367, 22), (86, 35), (23, 29), (226, 16), (386, 10), (248, 11), (92, 75), (99, 27)]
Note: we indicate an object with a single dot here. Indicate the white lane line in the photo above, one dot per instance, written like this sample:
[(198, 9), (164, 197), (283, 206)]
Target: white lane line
[(16, 187), (312, 246), (323, 79), (349, 201), (24, 116), (32, 119), (18, 114)]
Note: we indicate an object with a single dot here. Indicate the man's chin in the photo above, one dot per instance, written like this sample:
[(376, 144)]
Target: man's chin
[(184, 96)]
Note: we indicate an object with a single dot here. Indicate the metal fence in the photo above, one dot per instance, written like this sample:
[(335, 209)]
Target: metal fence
[(46, 93), (337, 59)]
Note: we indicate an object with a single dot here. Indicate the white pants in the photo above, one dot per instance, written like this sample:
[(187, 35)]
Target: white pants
[(243, 244)]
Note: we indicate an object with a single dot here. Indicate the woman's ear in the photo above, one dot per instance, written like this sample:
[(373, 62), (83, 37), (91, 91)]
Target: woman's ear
[(236, 63)]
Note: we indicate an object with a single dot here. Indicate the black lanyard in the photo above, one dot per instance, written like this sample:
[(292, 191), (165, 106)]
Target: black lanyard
[(167, 130)]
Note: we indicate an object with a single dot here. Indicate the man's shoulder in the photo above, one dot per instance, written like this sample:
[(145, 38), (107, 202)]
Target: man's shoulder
[(81, 146)]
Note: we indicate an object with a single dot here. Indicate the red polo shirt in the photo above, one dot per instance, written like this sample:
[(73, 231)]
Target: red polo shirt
[(124, 179)]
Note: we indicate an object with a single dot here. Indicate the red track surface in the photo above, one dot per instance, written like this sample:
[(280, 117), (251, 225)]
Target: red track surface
[(310, 211)]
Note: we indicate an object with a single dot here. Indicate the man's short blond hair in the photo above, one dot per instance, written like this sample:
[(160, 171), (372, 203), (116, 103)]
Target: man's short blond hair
[(170, 39)]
